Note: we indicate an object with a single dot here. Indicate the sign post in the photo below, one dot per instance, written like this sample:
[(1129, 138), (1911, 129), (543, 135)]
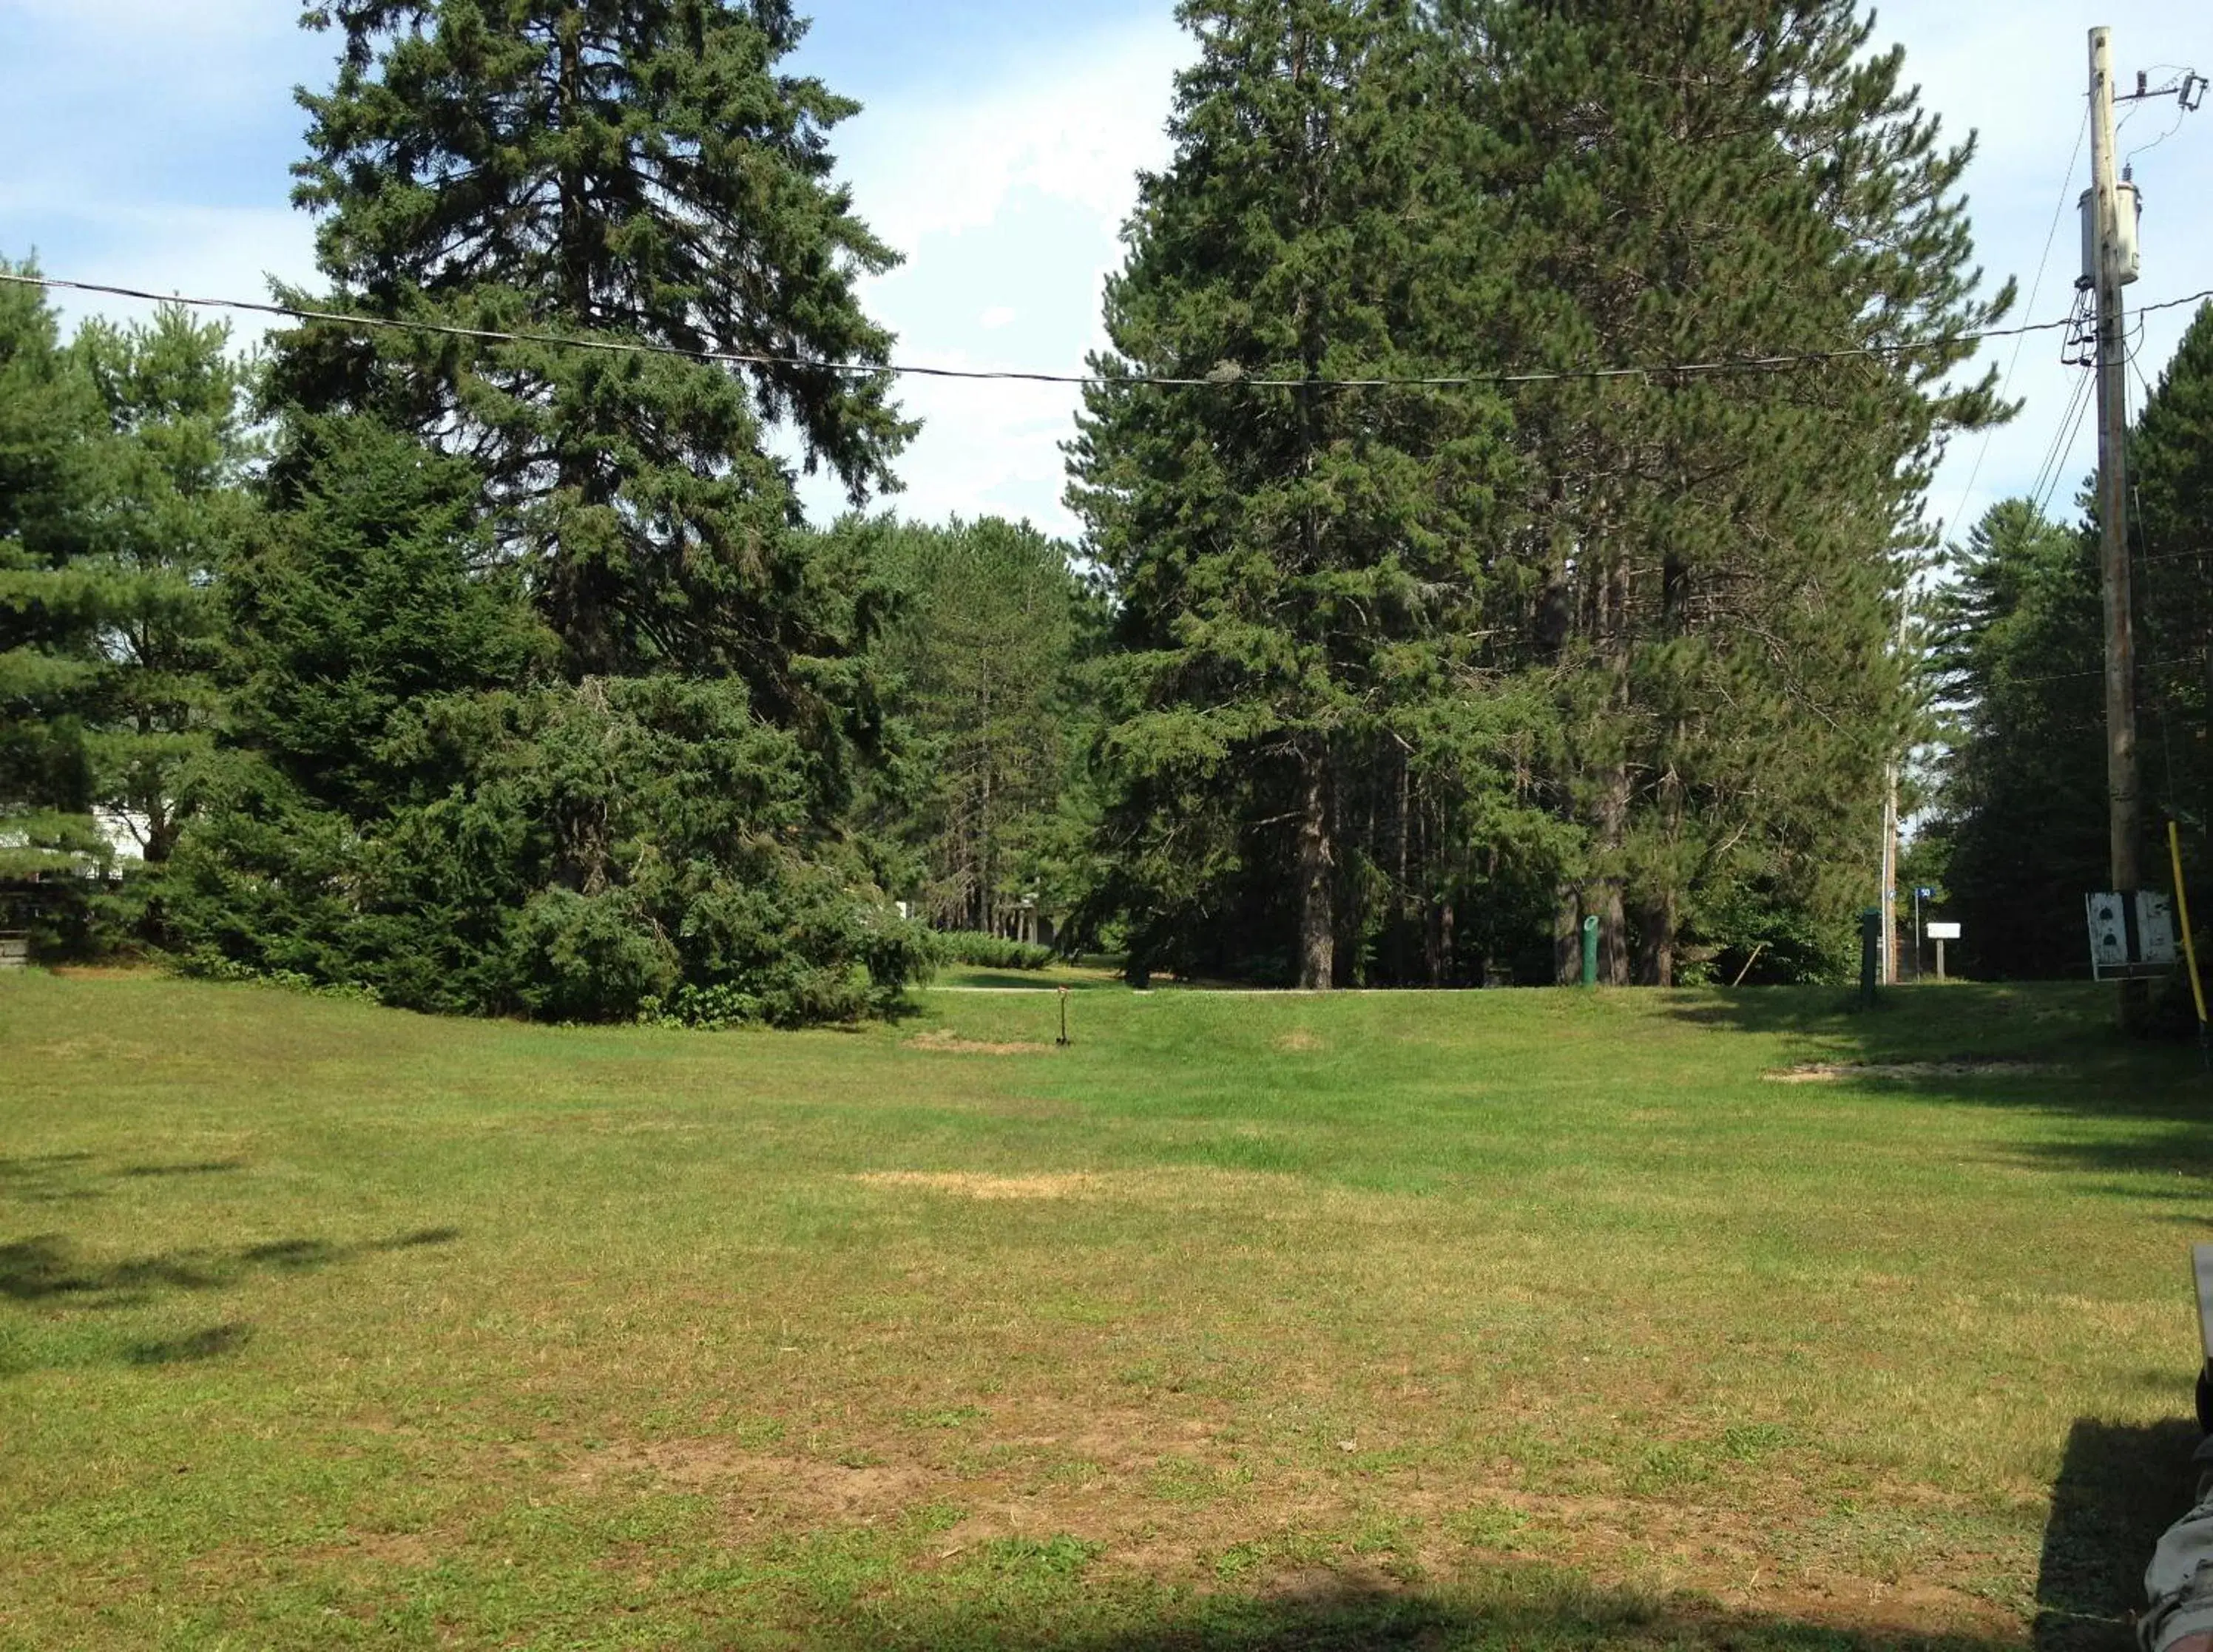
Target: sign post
[(1940, 933)]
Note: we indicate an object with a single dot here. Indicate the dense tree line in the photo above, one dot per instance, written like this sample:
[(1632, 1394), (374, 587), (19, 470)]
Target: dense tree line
[(1415, 679), (2020, 832), (505, 675)]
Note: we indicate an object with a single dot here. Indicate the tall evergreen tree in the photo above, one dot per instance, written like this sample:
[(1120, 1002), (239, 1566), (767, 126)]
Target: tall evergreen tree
[(53, 612), (1714, 559), (2022, 662), (171, 504), (2171, 473), (628, 170), (355, 828), (2019, 660), (986, 655), (1297, 568), (641, 173)]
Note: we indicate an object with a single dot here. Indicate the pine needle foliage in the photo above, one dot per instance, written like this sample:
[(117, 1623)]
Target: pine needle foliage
[(1719, 559), (652, 815), (1299, 573), (52, 613)]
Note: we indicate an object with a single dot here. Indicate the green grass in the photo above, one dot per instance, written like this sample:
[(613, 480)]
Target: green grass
[(1514, 1319)]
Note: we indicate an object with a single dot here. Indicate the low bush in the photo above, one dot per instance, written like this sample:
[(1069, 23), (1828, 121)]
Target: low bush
[(982, 951)]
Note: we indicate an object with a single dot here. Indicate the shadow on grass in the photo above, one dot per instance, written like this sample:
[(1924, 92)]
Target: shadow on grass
[(212, 1343), (2144, 1104), (48, 1275), (46, 1179), (1514, 1611), (48, 1267), (1015, 980), (2120, 1486), (205, 1168), (2046, 1020), (69, 1178)]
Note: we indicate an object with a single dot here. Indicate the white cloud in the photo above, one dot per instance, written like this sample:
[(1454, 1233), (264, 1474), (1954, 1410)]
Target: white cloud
[(1010, 198), (1074, 128), (156, 133)]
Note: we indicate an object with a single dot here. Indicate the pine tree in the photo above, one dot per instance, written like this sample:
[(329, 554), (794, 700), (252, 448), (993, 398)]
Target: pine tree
[(355, 828), (1296, 568), (628, 170), (171, 505), (2022, 662), (2019, 655), (987, 653), (51, 617), (2171, 475), (1713, 559), (661, 824)]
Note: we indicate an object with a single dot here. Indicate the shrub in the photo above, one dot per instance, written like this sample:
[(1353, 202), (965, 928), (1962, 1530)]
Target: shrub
[(982, 951)]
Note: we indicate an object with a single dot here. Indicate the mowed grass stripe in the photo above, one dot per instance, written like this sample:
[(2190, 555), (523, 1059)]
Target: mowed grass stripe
[(1511, 1318)]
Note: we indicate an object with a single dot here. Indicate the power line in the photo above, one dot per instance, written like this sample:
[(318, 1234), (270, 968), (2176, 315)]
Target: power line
[(1234, 380), (2077, 676), (2062, 444), (2035, 291)]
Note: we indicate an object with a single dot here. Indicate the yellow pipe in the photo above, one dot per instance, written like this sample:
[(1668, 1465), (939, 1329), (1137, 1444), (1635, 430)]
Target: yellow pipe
[(2182, 911)]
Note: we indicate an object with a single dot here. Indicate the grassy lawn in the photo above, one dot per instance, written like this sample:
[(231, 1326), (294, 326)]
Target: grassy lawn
[(1514, 1320)]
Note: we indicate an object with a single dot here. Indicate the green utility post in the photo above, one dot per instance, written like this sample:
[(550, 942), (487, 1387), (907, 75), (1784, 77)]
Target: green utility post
[(1870, 954), (1590, 952)]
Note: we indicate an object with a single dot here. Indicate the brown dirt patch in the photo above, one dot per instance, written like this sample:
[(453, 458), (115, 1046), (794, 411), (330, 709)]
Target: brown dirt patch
[(969, 1185), (1831, 1072), (805, 1485), (1740, 1559), (396, 1548), (947, 1044), (1299, 1042), (105, 971)]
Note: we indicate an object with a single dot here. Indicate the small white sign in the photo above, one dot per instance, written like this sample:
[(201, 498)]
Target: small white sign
[(2155, 928), (2109, 932), (1943, 932)]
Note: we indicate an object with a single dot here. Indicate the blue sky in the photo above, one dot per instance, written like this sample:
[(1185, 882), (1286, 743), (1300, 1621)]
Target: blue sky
[(152, 138)]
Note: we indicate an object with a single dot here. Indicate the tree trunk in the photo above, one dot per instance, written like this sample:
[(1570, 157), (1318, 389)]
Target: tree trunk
[(1605, 897), (1317, 870), (581, 590), (1567, 934), (1656, 926), (1614, 796), (1659, 911)]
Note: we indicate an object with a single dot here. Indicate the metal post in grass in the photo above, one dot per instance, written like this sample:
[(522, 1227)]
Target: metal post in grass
[(1064, 1040), (1870, 954), (1590, 952)]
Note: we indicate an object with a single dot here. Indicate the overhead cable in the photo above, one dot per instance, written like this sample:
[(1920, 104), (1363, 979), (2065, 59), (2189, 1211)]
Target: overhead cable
[(1230, 380), (2035, 291)]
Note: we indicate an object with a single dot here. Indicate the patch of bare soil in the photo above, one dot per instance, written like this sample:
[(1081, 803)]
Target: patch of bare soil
[(1737, 1559), (1830, 1072), (969, 1185), (947, 1044), (814, 1488), (396, 1549)]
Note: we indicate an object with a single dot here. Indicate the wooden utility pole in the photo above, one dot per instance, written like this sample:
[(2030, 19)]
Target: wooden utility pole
[(1888, 894), (2126, 805)]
